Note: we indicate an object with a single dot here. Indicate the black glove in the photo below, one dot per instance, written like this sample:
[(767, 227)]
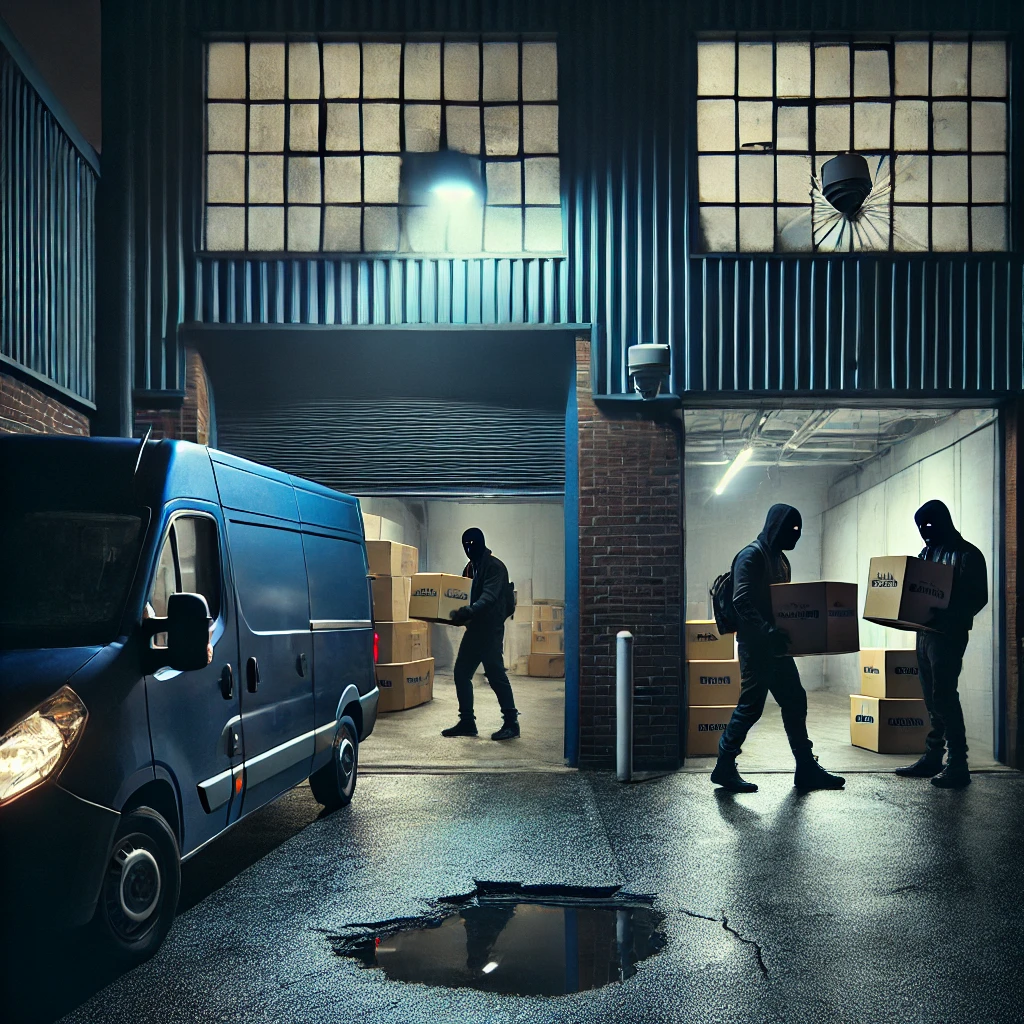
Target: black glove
[(778, 641), (461, 616)]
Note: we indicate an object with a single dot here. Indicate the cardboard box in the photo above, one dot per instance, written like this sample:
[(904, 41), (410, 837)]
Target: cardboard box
[(403, 641), (436, 595), (524, 614), (371, 525), (889, 673), (405, 685), (557, 602), (820, 617), (390, 598), (548, 643), (547, 665), (714, 683), (518, 637), (547, 617), (704, 643), (388, 558), (902, 591), (705, 727), (888, 726)]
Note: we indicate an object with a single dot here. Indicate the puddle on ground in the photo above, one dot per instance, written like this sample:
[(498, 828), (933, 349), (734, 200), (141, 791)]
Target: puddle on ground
[(515, 946)]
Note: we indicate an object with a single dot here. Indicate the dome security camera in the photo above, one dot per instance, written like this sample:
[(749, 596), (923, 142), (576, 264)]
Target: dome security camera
[(649, 366)]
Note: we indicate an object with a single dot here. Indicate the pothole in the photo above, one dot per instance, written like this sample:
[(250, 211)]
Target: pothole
[(518, 940)]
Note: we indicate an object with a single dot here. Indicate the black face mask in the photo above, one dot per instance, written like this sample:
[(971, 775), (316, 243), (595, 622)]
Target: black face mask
[(935, 523), (473, 544), (782, 528)]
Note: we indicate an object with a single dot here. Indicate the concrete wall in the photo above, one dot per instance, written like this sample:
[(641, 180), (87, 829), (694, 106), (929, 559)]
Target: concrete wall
[(871, 512), (718, 526)]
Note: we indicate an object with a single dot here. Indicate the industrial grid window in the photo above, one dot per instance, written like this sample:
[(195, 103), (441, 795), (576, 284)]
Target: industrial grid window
[(929, 117), (305, 144)]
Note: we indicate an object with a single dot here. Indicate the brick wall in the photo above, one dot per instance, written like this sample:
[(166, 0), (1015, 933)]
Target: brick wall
[(26, 410), (630, 535), (190, 422)]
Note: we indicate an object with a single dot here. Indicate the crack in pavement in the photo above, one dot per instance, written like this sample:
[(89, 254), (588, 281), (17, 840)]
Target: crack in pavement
[(724, 922)]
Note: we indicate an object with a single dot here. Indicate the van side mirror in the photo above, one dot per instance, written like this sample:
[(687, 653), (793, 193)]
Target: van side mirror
[(188, 634)]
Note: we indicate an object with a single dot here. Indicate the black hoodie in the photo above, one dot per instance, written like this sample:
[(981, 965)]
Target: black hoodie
[(756, 568), (944, 544)]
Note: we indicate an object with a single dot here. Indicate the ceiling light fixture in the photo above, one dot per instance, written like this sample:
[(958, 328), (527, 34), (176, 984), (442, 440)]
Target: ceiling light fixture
[(737, 464)]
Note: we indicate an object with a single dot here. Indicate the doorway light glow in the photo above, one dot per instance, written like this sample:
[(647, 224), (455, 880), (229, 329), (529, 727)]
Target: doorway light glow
[(453, 192), (487, 968), (737, 464)]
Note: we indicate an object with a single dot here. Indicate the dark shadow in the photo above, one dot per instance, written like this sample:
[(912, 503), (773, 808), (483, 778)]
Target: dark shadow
[(733, 812), (44, 976)]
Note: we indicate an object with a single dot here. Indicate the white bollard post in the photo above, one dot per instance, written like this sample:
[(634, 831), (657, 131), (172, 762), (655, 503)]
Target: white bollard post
[(624, 706)]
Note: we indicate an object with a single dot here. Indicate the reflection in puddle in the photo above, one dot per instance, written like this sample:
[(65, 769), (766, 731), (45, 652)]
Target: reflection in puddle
[(519, 948)]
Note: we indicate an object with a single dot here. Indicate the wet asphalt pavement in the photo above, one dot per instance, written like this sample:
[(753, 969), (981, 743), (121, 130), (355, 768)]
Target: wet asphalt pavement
[(888, 902)]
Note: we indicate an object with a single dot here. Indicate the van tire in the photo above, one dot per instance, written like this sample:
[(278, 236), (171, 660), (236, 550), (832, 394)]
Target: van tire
[(334, 784), (141, 883)]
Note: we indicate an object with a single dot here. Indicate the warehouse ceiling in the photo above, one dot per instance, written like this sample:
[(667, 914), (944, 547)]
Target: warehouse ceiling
[(806, 437)]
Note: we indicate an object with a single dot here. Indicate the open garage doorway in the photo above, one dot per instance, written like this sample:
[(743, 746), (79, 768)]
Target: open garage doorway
[(435, 430), (857, 476)]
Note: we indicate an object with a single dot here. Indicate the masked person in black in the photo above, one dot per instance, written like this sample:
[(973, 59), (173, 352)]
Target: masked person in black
[(764, 668), (484, 619), (940, 655)]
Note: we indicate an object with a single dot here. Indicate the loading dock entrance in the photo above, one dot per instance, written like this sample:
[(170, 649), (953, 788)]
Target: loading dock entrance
[(857, 475), (434, 430)]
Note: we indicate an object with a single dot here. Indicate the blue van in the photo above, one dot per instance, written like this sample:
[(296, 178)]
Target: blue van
[(184, 636)]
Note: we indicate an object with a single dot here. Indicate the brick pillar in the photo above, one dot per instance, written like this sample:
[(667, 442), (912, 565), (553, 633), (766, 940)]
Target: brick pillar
[(630, 543), (190, 422), (26, 410)]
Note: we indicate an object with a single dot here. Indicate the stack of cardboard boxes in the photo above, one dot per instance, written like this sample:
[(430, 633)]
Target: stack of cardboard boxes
[(405, 669), (714, 685), (889, 713), (547, 641)]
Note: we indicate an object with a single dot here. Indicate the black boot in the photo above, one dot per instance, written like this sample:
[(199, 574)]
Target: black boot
[(464, 727), (728, 777), (810, 775), (510, 730), (954, 776), (927, 765)]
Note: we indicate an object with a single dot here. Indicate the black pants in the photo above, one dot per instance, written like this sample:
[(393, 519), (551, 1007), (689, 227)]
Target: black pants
[(940, 656), (761, 674), (484, 647)]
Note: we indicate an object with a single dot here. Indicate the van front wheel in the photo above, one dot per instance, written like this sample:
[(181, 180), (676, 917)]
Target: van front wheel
[(140, 887), (334, 784)]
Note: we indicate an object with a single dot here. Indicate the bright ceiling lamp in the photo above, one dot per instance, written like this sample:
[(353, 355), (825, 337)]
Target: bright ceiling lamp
[(737, 464), (445, 177)]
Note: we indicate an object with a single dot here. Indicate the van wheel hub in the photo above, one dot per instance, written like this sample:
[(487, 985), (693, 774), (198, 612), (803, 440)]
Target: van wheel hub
[(346, 761), (139, 884)]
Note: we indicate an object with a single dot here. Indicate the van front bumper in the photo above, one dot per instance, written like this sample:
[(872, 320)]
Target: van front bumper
[(368, 703), (53, 853)]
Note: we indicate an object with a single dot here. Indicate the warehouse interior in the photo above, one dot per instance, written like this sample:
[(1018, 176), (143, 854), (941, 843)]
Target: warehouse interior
[(434, 429), (857, 476)]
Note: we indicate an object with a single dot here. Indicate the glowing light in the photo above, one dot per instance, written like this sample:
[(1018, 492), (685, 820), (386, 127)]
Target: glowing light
[(487, 968), (737, 464), (453, 192)]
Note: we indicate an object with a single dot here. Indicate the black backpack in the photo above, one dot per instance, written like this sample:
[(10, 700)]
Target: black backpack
[(721, 599), (510, 599)]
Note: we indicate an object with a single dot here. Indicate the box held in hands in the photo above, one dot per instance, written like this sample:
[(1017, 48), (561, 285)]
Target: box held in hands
[(903, 591), (820, 617), (435, 595)]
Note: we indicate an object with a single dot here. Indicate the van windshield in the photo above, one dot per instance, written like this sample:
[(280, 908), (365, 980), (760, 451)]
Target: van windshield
[(65, 576)]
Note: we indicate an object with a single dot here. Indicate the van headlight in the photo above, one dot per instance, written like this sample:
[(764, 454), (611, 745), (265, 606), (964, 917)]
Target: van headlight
[(40, 744)]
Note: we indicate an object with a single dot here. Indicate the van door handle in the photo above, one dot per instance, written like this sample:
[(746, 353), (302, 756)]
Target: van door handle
[(301, 664), (227, 682), (252, 675)]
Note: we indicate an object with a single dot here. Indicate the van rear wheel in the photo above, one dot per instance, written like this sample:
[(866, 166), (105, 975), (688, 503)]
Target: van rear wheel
[(334, 784), (140, 887)]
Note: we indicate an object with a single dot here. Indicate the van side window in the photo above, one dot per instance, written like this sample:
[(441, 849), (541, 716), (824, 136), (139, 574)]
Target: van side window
[(337, 578), (270, 574), (189, 564)]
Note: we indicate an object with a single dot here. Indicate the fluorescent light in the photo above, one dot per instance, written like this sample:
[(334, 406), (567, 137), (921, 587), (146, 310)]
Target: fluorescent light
[(487, 968), (737, 464), (454, 191)]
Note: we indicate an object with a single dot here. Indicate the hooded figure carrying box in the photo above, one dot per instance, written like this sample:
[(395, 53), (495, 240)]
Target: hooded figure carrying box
[(484, 619), (764, 668), (940, 654)]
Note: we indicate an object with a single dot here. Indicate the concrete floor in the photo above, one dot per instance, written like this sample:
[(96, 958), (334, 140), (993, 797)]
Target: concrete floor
[(412, 740), (889, 903)]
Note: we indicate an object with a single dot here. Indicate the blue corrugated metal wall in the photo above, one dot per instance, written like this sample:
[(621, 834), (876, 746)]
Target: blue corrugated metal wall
[(47, 218), (946, 323)]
